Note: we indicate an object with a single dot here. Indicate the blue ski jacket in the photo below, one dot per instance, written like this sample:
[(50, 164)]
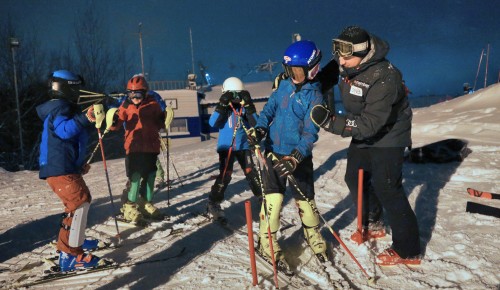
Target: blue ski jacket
[(64, 138), (226, 129), (286, 118)]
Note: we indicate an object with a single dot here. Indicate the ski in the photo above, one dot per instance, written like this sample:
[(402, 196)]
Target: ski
[(483, 194), (473, 207), (53, 274)]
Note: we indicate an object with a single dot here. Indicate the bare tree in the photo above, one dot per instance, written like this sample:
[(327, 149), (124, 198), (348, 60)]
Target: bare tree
[(30, 66), (94, 56)]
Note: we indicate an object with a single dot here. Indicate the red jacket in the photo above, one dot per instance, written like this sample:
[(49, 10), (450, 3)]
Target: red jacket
[(142, 125)]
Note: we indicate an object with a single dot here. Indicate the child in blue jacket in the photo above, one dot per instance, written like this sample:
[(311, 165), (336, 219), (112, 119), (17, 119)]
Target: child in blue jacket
[(234, 112)]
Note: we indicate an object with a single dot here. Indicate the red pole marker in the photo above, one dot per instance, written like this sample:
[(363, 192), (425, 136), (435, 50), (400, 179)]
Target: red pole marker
[(248, 211), (359, 236)]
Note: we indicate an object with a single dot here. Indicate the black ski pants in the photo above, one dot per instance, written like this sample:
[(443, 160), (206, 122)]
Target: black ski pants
[(226, 162), (383, 188)]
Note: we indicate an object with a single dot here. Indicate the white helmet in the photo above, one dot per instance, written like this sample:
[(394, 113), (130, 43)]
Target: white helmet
[(232, 84)]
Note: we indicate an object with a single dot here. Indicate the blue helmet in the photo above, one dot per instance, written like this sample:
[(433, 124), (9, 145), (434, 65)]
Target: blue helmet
[(304, 54), (65, 84)]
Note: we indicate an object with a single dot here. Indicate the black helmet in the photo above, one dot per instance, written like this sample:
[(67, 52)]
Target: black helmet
[(65, 84)]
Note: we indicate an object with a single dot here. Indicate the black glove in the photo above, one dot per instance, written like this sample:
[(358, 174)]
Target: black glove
[(322, 117), (248, 103), (224, 100), (287, 164), (255, 135), (281, 76)]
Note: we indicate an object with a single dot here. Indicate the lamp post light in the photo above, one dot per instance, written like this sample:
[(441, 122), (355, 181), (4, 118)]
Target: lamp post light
[(14, 43)]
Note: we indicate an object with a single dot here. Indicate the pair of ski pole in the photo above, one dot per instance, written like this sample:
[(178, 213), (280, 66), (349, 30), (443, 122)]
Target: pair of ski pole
[(294, 183), (99, 115)]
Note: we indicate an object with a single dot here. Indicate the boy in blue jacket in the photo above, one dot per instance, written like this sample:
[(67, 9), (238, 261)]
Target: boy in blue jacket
[(234, 112), (62, 165), (289, 143)]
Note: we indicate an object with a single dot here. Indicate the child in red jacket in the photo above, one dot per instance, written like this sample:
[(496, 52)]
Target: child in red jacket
[(143, 118)]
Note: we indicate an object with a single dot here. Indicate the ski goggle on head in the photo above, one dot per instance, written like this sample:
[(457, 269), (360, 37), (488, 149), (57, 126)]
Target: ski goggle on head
[(136, 94), (346, 48)]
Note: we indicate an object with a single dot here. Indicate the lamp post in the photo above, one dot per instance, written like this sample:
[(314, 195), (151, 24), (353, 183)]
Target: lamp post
[(14, 43), (140, 45)]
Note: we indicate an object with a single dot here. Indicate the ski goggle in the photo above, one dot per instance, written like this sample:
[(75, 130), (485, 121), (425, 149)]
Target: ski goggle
[(136, 95), (345, 48), (303, 74)]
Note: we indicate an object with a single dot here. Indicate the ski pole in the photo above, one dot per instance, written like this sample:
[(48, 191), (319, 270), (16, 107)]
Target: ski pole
[(235, 130), (258, 154), (109, 185), (96, 147), (178, 177), (293, 181), (99, 117)]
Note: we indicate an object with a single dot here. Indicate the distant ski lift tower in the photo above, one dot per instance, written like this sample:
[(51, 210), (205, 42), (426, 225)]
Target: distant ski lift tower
[(192, 52)]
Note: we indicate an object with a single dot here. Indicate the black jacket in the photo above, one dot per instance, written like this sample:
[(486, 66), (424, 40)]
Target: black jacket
[(378, 113)]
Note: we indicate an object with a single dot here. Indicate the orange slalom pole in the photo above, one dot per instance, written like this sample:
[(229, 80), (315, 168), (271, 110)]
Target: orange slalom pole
[(359, 236), (360, 201), (251, 247)]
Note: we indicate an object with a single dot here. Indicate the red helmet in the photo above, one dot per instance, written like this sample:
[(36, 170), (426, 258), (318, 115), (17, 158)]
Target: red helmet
[(137, 83)]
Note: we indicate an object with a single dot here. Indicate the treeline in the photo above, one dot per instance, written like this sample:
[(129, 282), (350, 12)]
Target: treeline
[(87, 50)]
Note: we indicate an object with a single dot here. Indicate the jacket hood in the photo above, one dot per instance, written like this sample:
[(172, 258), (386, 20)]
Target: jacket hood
[(46, 108)]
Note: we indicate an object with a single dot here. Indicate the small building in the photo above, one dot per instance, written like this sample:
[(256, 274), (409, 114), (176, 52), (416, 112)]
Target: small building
[(192, 108)]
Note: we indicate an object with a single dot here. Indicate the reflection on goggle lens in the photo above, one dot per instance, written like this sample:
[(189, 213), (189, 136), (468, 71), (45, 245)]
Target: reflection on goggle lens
[(135, 94)]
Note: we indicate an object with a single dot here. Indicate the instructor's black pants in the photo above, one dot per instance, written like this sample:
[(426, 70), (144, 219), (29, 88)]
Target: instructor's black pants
[(383, 187)]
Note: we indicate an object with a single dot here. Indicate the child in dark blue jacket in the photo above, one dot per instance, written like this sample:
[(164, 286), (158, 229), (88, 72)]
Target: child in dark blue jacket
[(234, 112), (62, 165)]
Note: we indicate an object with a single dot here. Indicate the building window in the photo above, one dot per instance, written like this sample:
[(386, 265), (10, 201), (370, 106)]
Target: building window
[(179, 126)]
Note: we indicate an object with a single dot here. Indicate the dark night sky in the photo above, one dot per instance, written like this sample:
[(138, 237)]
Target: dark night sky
[(435, 43)]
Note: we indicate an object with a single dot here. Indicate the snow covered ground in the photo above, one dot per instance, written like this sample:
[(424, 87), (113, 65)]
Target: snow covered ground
[(461, 249)]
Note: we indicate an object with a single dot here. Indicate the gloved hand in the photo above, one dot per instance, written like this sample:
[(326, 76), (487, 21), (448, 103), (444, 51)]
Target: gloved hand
[(320, 115), (332, 123), (111, 118), (255, 135), (90, 114), (224, 102), (281, 76), (248, 103), (287, 164)]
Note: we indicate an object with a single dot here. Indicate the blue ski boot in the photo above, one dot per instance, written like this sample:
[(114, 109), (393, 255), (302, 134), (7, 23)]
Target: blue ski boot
[(91, 244), (68, 262)]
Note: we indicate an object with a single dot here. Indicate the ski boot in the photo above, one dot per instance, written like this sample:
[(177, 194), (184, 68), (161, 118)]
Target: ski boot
[(90, 244), (273, 202), (389, 257), (310, 224), (317, 243), (68, 262), (150, 211), (264, 250), (215, 211), (131, 213)]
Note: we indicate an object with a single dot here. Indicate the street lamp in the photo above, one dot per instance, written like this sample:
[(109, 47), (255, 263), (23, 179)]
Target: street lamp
[(14, 43)]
